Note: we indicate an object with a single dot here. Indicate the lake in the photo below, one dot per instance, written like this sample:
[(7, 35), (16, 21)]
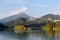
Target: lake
[(31, 35)]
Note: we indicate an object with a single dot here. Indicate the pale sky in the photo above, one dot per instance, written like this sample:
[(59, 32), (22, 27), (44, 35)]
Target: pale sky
[(34, 8)]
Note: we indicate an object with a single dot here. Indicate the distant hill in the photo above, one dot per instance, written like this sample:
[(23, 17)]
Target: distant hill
[(45, 17), (57, 17)]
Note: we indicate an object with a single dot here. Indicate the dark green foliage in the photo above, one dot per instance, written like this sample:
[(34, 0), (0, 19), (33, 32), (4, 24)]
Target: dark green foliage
[(19, 21), (3, 27)]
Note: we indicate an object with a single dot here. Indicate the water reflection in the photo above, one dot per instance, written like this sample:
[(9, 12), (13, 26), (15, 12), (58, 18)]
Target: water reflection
[(49, 35), (31, 35)]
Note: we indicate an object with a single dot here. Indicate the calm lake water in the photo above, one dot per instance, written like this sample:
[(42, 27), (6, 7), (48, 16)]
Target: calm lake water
[(30, 35)]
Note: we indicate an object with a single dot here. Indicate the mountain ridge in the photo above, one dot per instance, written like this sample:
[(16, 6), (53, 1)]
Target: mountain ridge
[(53, 16), (13, 17)]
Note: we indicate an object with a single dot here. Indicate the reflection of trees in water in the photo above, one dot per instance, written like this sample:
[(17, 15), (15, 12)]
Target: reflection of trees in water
[(23, 36), (51, 32), (49, 35), (46, 35)]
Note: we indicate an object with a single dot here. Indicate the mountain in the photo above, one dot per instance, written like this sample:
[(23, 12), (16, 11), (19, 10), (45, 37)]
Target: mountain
[(21, 13), (48, 16), (13, 17), (21, 18), (45, 18), (17, 21), (57, 17), (24, 19)]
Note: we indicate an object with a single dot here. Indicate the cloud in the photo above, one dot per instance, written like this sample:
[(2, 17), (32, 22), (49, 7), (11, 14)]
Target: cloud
[(16, 1), (22, 10), (40, 5), (37, 5)]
